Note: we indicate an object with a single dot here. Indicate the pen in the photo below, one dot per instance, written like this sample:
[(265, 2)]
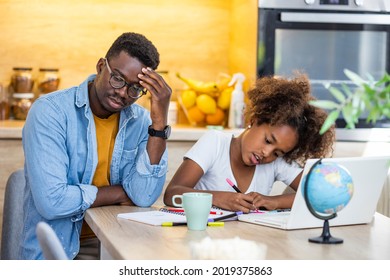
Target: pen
[(225, 217), (180, 210), (210, 224), (233, 185)]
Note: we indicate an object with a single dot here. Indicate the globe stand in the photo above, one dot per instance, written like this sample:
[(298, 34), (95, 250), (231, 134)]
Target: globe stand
[(325, 237)]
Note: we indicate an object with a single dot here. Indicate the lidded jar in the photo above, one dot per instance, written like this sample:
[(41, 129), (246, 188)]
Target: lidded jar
[(48, 80), (4, 104), (21, 80), (21, 104)]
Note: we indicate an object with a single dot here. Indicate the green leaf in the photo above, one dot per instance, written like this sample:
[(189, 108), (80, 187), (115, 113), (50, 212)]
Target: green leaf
[(346, 89), (355, 78), (324, 104), (337, 94), (348, 115), (330, 120)]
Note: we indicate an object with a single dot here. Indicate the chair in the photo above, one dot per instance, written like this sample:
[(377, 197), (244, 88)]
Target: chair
[(50, 244), (12, 215)]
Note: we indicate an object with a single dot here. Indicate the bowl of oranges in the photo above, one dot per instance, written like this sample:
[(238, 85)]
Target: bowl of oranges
[(205, 106)]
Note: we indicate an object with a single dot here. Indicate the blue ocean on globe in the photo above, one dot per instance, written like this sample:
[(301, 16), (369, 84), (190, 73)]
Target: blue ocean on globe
[(330, 187)]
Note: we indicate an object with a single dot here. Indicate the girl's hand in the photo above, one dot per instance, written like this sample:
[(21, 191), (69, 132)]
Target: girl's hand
[(264, 201), (233, 201), (272, 202)]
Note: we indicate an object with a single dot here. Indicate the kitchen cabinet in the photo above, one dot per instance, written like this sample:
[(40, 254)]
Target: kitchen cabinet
[(11, 158)]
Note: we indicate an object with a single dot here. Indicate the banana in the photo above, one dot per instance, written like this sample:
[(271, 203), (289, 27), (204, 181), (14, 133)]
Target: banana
[(210, 88), (223, 81)]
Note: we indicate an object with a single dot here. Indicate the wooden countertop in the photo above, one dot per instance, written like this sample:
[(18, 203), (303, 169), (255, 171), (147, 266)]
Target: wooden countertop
[(12, 129), (125, 239)]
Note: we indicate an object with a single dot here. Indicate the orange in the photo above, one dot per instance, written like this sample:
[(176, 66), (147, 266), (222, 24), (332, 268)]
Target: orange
[(196, 115), (217, 118)]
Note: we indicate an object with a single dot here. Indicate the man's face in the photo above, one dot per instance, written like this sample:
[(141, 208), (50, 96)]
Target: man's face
[(105, 99)]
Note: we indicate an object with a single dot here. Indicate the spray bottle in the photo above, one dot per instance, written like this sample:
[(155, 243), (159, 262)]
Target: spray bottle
[(237, 104)]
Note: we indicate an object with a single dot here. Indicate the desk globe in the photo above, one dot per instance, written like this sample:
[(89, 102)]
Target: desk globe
[(327, 189)]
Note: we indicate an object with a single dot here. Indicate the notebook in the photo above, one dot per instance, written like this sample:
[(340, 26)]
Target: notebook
[(164, 215), (368, 175)]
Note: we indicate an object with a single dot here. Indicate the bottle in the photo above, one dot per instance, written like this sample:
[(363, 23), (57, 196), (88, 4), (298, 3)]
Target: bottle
[(237, 103), (172, 113)]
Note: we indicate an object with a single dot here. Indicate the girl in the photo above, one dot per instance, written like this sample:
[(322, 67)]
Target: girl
[(282, 133)]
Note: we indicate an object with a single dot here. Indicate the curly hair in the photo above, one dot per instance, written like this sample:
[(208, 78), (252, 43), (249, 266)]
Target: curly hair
[(137, 46), (279, 101)]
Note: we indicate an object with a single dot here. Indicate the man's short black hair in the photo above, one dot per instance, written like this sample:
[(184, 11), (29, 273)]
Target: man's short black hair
[(137, 46)]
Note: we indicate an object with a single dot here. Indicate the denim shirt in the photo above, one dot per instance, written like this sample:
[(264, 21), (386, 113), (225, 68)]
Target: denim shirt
[(60, 148)]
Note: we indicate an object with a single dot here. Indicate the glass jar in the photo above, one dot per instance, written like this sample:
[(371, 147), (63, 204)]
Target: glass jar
[(21, 80), (4, 104), (48, 80), (21, 104)]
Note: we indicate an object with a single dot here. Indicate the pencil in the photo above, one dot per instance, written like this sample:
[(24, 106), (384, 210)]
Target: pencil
[(175, 209), (233, 185)]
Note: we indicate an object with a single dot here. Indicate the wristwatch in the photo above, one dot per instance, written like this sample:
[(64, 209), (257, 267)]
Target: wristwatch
[(160, 133)]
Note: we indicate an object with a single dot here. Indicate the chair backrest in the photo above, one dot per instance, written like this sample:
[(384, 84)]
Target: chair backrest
[(50, 244), (12, 215)]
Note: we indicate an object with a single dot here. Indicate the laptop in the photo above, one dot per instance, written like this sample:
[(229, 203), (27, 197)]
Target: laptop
[(368, 176)]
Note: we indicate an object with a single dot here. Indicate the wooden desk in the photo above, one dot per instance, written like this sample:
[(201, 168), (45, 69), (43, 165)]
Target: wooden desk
[(124, 239)]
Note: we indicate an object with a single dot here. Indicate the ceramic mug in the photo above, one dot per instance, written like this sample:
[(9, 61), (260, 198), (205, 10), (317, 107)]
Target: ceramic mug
[(197, 208)]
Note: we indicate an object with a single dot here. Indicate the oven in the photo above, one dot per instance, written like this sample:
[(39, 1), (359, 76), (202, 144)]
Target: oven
[(322, 38)]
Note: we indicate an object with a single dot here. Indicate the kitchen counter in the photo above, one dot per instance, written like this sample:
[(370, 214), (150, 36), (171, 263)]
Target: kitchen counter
[(12, 129)]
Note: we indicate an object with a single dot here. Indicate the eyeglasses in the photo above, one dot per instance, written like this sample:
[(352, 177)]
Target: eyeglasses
[(133, 90)]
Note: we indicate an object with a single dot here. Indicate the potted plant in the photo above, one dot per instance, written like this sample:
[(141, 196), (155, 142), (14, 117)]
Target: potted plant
[(370, 96)]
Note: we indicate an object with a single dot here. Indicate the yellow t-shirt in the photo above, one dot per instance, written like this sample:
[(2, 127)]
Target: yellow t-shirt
[(106, 131)]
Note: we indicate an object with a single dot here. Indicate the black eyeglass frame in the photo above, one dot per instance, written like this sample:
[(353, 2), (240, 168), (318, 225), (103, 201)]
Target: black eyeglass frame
[(133, 91)]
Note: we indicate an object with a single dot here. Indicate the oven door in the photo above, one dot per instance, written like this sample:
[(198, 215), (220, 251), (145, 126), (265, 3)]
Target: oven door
[(323, 44)]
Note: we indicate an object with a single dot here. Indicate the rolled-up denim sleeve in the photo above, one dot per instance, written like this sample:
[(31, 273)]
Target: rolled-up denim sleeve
[(145, 181)]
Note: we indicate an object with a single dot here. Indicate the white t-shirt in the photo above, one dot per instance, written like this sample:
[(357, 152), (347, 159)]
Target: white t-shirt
[(211, 153)]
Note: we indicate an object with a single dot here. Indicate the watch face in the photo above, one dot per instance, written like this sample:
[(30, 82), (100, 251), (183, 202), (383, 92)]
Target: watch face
[(167, 131)]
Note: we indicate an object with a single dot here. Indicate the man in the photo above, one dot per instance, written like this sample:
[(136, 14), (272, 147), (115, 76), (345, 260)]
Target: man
[(90, 145)]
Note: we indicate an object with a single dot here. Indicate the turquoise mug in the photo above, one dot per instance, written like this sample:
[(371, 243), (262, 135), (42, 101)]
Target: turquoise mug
[(197, 208)]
